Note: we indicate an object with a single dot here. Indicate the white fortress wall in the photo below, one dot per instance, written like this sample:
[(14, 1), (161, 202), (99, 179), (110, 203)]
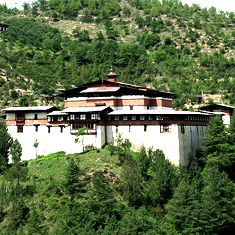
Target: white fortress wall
[(51, 142), (190, 142), (167, 142)]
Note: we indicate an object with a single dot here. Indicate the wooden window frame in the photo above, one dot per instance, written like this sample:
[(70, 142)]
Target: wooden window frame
[(20, 129), (165, 128)]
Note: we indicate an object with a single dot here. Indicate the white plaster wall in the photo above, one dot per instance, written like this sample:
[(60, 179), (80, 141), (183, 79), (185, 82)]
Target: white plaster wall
[(167, 142), (51, 142), (226, 119), (11, 116), (190, 142)]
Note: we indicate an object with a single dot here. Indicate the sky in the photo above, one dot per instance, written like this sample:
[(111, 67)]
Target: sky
[(224, 5), (16, 3)]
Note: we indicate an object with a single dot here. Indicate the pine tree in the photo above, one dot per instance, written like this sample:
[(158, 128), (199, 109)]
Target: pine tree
[(217, 147), (73, 184), (217, 203), (131, 181), (17, 214), (163, 179), (5, 144), (229, 167), (17, 171), (183, 210), (34, 221), (143, 162), (3, 198), (16, 151)]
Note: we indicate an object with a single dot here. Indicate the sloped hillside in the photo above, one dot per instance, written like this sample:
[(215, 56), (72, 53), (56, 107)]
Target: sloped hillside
[(169, 46)]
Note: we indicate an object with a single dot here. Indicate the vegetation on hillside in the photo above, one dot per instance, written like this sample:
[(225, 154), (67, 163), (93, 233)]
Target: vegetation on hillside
[(166, 45), (117, 191)]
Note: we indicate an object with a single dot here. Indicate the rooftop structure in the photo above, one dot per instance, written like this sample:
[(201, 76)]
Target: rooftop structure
[(106, 107)]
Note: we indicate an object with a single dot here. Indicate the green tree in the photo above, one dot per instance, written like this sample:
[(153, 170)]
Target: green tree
[(5, 144), (102, 203), (17, 214), (231, 140), (183, 210), (131, 181), (16, 151), (217, 202), (3, 197), (126, 11), (217, 146), (17, 171), (163, 179), (80, 134), (35, 145), (34, 221), (73, 184), (143, 162)]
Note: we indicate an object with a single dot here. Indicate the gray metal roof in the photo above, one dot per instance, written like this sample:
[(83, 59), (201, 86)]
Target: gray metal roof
[(86, 109), (32, 108), (214, 105), (156, 112), (56, 113)]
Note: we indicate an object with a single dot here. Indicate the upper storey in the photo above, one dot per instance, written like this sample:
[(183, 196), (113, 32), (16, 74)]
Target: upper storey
[(117, 95)]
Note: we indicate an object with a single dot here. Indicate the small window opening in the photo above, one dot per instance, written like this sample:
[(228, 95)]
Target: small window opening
[(165, 128), (145, 128), (19, 129), (182, 128)]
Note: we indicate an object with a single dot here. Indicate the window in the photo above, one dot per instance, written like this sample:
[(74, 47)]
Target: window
[(83, 116), (133, 117), (158, 118), (182, 128), (116, 118), (125, 117), (145, 128), (35, 116), (49, 119), (20, 117), (60, 118), (165, 128), (20, 129), (141, 117), (100, 104), (94, 116), (72, 116)]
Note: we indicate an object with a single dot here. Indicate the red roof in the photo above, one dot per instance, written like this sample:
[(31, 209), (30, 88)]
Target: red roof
[(100, 89)]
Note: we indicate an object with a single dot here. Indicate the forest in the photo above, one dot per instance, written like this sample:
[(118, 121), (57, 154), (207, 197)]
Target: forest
[(60, 44), (117, 191)]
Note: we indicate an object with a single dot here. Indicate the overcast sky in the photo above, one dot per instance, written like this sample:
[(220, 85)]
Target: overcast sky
[(224, 5), (15, 3)]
